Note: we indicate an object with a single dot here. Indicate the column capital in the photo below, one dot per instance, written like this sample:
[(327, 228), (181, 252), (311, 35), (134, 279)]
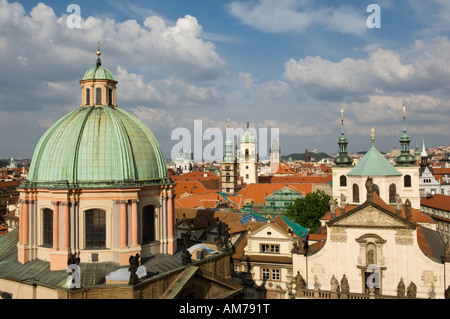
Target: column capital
[(54, 203), (65, 203), (120, 201), (135, 201)]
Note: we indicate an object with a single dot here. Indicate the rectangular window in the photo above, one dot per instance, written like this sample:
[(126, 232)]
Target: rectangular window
[(265, 274), (148, 224), (95, 229), (269, 248), (47, 216), (271, 274)]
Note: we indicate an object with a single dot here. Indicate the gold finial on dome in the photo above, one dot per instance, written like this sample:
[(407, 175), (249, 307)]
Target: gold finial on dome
[(373, 135), (404, 112), (99, 53), (228, 120)]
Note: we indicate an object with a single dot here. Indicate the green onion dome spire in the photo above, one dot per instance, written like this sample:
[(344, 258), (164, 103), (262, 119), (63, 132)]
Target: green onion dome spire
[(405, 158), (343, 159)]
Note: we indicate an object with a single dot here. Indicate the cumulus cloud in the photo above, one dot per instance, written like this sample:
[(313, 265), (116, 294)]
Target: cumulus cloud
[(38, 46), (277, 16), (382, 71), (166, 93)]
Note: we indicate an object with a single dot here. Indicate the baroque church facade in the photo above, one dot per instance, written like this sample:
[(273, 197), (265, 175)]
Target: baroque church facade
[(376, 240)]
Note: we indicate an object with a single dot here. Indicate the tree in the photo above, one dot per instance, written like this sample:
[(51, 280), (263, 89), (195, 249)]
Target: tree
[(308, 210)]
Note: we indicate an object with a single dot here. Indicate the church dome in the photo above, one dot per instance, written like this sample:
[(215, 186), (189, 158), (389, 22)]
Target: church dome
[(98, 72), (97, 146)]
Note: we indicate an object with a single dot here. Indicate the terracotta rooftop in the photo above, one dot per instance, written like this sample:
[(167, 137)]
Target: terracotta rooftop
[(258, 192), (437, 201)]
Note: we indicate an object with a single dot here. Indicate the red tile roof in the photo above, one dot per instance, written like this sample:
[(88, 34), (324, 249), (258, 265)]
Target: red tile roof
[(258, 192), (437, 201)]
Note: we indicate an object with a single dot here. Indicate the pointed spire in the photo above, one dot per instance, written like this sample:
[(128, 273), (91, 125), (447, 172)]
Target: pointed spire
[(229, 157), (405, 158), (424, 151), (342, 159)]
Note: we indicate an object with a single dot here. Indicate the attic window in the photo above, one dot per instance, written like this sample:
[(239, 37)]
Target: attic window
[(270, 248)]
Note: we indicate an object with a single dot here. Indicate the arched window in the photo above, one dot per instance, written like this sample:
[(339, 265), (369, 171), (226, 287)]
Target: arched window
[(88, 96), (355, 189), (407, 181), (98, 96), (148, 224), (343, 180), (392, 193), (95, 221), (246, 154), (47, 227), (227, 178)]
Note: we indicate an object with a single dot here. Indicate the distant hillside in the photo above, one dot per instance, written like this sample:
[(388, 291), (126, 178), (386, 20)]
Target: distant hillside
[(301, 156)]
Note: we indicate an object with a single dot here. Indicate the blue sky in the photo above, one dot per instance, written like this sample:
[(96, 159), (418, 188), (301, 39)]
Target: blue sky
[(286, 64)]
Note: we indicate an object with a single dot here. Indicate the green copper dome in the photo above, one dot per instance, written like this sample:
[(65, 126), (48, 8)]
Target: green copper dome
[(97, 147), (98, 72)]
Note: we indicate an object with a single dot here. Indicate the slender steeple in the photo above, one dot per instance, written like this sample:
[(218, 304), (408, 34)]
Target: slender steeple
[(424, 155), (342, 159), (405, 158), (229, 156)]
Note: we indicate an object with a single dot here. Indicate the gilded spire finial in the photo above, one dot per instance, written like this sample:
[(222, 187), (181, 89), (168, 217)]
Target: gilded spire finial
[(99, 53), (404, 112), (228, 120), (373, 134)]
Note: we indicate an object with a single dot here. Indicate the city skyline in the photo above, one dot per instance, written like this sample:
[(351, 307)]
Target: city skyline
[(290, 65)]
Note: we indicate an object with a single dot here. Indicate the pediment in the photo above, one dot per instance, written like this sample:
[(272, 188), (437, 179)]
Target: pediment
[(371, 216), (269, 232)]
